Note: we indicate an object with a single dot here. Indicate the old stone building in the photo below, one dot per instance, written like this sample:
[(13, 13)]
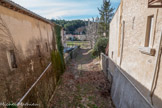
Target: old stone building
[(135, 46), (26, 41)]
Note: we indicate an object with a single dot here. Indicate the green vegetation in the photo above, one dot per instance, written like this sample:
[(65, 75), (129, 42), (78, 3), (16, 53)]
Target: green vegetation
[(100, 46), (57, 57), (106, 14), (59, 43), (11, 105), (57, 64), (71, 26), (78, 43)]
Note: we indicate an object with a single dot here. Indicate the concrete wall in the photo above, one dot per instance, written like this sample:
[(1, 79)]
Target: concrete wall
[(71, 55), (137, 65), (22, 34), (123, 92)]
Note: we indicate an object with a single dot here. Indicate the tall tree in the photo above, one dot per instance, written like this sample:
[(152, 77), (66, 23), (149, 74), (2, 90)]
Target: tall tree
[(106, 13)]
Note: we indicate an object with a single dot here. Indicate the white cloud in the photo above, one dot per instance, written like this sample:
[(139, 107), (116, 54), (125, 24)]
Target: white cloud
[(62, 13), (62, 8)]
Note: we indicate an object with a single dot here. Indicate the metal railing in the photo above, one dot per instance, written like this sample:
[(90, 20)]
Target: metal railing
[(21, 100)]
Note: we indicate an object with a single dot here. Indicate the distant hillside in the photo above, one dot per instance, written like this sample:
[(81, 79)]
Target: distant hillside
[(71, 26)]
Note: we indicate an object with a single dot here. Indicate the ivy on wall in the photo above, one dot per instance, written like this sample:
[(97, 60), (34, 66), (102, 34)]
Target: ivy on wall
[(57, 56), (59, 42), (57, 64)]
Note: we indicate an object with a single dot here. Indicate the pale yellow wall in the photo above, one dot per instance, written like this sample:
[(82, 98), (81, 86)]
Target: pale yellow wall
[(22, 34), (138, 65), (135, 38), (114, 35), (25, 29)]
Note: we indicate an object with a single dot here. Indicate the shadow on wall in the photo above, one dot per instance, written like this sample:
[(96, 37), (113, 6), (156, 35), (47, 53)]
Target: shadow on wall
[(126, 94), (28, 69), (17, 79)]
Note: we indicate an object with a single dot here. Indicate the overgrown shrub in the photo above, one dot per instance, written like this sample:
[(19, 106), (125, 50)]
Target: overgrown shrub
[(100, 46), (59, 42), (57, 65)]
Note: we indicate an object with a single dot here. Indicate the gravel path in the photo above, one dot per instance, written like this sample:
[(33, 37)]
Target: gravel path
[(83, 85)]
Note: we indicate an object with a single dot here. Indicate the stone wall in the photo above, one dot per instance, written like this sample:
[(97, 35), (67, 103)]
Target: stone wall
[(128, 32), (31, 41), (71, 55)]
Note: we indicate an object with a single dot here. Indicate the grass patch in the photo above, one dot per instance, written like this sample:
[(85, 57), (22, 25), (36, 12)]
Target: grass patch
[(77, 43)]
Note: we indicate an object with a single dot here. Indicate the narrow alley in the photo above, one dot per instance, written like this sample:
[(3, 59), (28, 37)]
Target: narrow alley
[(83, 85)]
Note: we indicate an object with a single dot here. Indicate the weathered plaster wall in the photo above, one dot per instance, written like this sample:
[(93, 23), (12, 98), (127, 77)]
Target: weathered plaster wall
[(138, 65), (114, 35), (22, 34), (24, 29)]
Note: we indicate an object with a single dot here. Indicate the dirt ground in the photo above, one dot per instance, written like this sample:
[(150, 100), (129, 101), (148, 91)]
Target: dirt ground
[(83, 85)]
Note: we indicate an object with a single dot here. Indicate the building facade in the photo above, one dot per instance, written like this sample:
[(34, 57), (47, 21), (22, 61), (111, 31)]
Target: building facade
[(26, 42), (135, 46)]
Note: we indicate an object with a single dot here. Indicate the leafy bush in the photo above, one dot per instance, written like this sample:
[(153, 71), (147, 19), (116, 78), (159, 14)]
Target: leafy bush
[(100, 46)]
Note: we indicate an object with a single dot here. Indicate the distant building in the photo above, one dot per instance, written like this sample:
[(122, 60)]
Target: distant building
[(134, 45), (80, 31), (81, 37), (73, 37)]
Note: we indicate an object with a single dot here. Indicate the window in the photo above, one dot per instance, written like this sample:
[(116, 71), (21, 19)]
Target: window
[(38, 50), (12, 59), (149, 30), (46, 46)]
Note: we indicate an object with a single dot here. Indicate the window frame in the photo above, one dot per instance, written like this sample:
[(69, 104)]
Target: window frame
[(149, 31)]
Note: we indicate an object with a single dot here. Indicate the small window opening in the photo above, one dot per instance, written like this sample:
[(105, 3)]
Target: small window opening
[(149, 31), (38, 50), (112, 54), (46, 46), (13, 59)]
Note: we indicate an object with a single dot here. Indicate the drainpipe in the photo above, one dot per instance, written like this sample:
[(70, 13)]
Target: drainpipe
[(122, 41), (156, 70)]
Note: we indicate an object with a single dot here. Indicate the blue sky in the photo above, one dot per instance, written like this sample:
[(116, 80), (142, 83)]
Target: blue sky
[(65, 9)]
